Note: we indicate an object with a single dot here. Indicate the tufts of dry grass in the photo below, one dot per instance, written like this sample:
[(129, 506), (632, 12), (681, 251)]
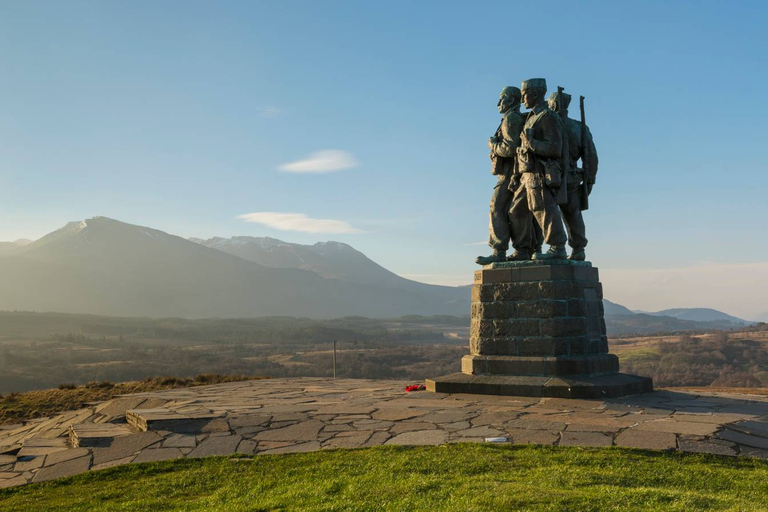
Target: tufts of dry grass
[(16, 407)]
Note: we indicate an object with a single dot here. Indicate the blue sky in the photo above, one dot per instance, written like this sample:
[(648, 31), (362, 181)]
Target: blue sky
[(186, 116)]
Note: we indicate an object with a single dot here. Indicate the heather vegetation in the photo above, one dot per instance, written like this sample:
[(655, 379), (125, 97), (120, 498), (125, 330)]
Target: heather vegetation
[(719, 360), (16, 407), (41, 351)]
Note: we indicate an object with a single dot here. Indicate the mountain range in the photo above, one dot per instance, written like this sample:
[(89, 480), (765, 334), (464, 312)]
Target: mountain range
[(104, 266)]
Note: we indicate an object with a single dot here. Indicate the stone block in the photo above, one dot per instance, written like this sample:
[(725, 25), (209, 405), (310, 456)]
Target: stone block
[(482, 328), (494, 310), (553, 366), (559, 290), (542, 309), (493, 346), (543, 346), (563, 327), (505, 292), (580, 345), (501, 275), (577, 307)]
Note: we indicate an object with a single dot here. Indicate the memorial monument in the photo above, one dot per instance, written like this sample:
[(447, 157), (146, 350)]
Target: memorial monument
[(537, 317)]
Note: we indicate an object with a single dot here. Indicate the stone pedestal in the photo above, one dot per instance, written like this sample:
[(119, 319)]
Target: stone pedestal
[(538, 330)]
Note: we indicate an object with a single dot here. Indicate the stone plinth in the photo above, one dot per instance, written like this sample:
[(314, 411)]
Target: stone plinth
[(538, 330)]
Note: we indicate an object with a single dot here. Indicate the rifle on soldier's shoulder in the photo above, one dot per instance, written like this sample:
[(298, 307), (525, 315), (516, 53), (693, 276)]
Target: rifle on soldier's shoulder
[(565, 157), (585, 158)]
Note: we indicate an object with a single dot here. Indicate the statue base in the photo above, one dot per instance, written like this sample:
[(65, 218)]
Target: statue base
[(538, 330), (584, 386)]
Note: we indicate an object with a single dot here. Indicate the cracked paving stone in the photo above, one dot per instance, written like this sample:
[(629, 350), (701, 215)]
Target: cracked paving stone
[(585, 439), (397, 414), (305, 431), (678, 427), (741, 438), (377, 439), (702, 445), (158, 454), (646, 440), (479, 432), (521, 436), (225, 445), (405, 426), (180, 441), (247, 447), (63, 469), (310, 446), (124, 446), (420, 437)]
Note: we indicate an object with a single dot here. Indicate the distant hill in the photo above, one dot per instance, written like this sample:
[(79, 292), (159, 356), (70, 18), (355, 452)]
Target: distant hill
[(621, 320), (12, 247), (701, 315), (103, 266), (332, 260), (611, 309)]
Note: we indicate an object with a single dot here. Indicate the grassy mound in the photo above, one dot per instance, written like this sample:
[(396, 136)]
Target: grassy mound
[(452, 477), (16, 407)]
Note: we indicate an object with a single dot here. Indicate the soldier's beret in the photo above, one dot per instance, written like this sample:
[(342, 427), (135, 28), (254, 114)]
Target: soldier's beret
[(532, 83)]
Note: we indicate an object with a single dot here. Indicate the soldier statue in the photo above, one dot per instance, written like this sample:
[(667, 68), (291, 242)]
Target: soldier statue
[(503, 146), (576, 176), (540, 174)]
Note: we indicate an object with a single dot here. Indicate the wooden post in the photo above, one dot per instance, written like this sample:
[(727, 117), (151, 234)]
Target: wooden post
[(334, 359)]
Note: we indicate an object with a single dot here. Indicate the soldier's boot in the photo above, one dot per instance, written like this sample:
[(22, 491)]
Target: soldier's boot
[(555, 252), (519, 256), (496, 257), (578, 255)]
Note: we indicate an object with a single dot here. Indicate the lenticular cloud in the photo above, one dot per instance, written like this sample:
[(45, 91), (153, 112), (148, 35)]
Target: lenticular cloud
[(299, 222), (327, 160)]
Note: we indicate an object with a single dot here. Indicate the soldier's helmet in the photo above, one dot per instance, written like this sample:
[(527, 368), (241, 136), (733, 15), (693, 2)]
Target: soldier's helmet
[(512, 92), (555, 97)]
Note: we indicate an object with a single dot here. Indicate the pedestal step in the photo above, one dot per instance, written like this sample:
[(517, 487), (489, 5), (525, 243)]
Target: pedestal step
[(90, 435), (597, 364), (605, 386), (165, 419)]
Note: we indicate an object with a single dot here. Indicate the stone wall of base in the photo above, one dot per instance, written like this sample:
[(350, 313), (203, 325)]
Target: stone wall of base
[(537, 329)]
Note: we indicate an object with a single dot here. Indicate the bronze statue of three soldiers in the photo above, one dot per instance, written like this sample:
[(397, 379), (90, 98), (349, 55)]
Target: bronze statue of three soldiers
[(541, 191)]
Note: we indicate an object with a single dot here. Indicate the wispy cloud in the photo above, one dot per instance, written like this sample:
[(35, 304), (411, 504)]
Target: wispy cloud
[(327, 160), (475, 243), (269, 112), (300, 222)]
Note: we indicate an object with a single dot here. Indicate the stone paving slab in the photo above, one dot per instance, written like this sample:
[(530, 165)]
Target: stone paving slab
[(298, 415)]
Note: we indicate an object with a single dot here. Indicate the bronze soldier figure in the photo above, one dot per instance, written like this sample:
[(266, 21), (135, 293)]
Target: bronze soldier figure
[(541, 143), (503, 146), (574, 220)]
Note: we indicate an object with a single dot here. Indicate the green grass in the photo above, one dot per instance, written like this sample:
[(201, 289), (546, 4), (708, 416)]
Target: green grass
[(452, 477)]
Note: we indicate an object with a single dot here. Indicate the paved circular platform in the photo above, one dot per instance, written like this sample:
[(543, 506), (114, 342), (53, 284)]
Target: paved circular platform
[(296, 415)]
